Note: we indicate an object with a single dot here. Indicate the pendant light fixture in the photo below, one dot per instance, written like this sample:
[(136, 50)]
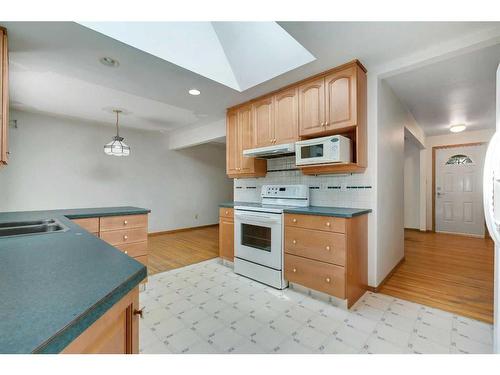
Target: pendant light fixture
[(116, 147)]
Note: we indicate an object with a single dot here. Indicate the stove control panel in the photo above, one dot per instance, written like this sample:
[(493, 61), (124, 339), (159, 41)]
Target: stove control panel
[(285, 191)]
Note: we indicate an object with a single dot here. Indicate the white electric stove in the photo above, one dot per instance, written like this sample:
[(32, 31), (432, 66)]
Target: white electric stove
[(258, 233)]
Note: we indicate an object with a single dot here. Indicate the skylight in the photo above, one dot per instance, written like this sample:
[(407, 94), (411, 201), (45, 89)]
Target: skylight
[(239, 55)]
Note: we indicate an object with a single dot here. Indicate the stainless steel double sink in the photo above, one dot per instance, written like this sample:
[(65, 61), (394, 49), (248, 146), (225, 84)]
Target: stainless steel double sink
[(24, 228)]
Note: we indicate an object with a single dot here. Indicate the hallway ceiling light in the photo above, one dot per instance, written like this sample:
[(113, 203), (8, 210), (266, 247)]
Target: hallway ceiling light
[(194, 92), (457, 128), (116, 147)]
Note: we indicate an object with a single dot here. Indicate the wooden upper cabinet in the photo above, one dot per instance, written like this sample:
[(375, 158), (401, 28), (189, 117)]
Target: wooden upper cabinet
[(312, 106), (4, 97), (245, 138), (263, 122), (232, 143), (340, 99), (239, 137), (286, 116)]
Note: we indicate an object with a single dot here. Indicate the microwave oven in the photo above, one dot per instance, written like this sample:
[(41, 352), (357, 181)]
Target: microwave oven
[(331, 149)]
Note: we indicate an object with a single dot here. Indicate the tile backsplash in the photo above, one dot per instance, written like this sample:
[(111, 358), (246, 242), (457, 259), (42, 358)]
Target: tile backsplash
[(348, 190)]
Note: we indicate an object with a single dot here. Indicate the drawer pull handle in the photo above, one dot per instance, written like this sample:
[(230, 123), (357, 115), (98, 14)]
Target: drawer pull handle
[(327, 280), (295, 270), (328, 224), (125, 237), (294, 220), (327, 248), (294, 242)]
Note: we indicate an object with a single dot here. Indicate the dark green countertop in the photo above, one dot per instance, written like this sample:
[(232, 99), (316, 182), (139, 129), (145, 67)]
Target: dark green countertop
[(54, 286), (311, 210)]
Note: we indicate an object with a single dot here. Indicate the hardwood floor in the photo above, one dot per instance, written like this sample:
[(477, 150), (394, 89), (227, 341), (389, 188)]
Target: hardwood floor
[(449, 272), (174, 250)]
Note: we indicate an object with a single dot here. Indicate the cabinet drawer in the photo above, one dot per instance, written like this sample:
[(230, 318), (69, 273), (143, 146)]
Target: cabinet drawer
[(226, 212), (117, 237), (326, 278), (90, 224), (122, 222), (317, 245), (135, 249), (332, 224)]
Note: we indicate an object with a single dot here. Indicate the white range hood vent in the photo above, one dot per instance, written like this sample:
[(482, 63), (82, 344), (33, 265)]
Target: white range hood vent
[(269, 152)]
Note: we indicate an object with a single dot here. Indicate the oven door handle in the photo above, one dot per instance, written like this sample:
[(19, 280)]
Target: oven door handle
[(256, 218)]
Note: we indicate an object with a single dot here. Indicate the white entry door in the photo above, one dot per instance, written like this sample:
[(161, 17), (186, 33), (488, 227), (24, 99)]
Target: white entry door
[(459, 202)]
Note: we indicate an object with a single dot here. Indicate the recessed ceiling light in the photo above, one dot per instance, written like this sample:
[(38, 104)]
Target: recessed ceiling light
[(457, 128), (109, 61), (194, 92)]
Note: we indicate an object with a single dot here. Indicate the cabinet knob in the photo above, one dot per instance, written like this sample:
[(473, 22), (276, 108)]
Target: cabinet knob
[(125, 222), (327, 248), (139, 312), (126, 252), (125, 237), (294, 242), (327, 280), (328, 224), (295, 270), (227, 212), (294, 220)]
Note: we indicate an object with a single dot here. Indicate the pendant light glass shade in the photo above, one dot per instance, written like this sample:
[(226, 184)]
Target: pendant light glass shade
[(117, 147)]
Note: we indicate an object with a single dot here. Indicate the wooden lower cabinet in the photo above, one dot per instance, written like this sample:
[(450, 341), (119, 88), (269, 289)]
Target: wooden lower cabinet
[(116, 332), (328, 254), (226, 233), (128, 233)]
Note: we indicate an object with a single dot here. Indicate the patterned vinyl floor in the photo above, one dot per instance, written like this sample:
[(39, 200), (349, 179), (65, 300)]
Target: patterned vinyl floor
[(206, 308)]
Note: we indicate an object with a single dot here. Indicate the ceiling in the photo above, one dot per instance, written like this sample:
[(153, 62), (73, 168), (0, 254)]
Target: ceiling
[(459, 90), (55, 69), (239, 55)]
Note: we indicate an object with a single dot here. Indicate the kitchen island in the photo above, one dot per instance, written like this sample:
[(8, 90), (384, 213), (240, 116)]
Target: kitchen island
[(54, 286)]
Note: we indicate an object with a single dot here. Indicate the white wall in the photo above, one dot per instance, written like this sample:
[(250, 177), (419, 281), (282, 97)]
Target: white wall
[(60, 163), (411, 184), (443, 140), (392, 116)]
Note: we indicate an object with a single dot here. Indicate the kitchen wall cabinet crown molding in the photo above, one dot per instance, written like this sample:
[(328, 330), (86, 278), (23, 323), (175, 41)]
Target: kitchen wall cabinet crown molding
[(332, 102), (4, 97)]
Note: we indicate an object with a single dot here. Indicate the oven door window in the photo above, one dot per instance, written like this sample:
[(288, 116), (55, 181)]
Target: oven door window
[(256, 237), (312, 151)]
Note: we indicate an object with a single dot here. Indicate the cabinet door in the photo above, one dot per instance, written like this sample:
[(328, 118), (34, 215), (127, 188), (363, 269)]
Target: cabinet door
[(226, 238), (286, 117), (263, 122), (115, 332), (341, 99), (232, 143), (245, 137), (312, 107), (4, 97)]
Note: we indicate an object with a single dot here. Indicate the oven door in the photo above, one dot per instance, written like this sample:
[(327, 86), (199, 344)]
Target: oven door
[(259, 237)]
